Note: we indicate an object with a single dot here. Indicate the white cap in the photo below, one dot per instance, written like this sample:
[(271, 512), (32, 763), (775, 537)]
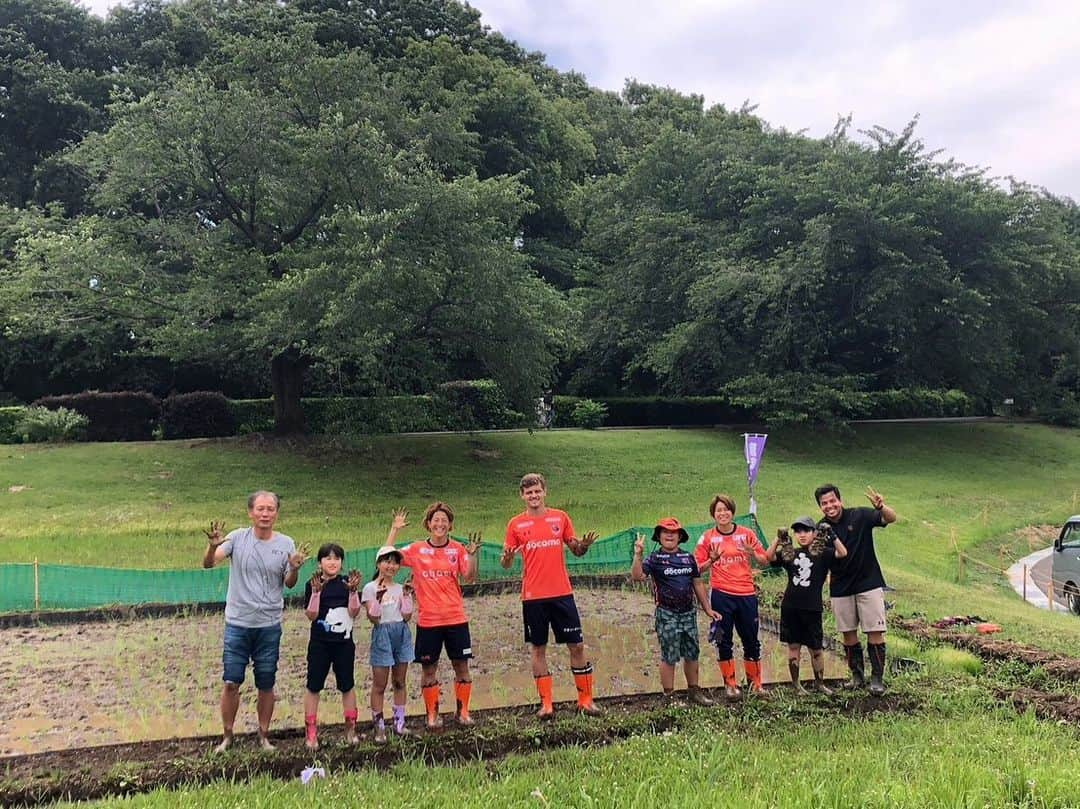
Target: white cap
[(385, 550)]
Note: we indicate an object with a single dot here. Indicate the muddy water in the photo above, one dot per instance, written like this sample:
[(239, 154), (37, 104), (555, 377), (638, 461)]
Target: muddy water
[(100, 683)]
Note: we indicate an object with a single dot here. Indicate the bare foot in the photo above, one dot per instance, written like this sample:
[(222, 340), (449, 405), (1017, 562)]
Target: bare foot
[(264, 743), (226, 743), (465, 719), (545, 714), (351, 737), (434, 724)]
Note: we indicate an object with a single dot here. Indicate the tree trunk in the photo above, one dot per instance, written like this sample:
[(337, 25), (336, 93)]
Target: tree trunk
[(287, 382)]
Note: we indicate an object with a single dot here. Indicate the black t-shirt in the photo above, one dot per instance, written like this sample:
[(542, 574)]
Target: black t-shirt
[(859, 571), (334, 624), (673, 577), (806, 577)]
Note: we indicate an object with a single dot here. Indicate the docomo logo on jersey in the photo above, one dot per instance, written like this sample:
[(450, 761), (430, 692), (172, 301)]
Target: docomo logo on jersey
[(438, 574), (678, 571), (542, 543)]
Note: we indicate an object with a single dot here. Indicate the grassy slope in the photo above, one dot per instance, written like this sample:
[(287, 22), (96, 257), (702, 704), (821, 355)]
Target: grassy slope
[(977, 483)]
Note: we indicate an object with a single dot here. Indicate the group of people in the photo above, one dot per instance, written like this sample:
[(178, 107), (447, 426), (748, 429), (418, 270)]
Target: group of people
[(265, 562)]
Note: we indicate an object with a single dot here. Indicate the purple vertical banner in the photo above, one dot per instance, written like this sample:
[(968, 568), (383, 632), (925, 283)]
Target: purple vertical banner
[(753, 449)]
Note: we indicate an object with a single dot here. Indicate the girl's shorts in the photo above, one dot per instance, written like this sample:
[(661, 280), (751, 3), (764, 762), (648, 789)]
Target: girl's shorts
[(391, 644)]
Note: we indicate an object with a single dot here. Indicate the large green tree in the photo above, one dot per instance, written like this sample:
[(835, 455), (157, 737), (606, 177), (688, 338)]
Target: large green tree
[(281, 207)]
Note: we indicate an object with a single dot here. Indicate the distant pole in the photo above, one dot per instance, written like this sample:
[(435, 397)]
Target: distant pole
[(37, 586), (1025, 582), (1050, 593)]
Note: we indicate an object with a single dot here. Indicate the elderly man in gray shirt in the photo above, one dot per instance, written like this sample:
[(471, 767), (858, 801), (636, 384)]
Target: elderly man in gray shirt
[(263, 564)]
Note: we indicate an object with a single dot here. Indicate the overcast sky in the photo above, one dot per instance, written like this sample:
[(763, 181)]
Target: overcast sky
[(996, 83)]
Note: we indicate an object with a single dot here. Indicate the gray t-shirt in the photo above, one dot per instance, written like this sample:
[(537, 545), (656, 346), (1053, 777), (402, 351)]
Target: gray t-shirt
[(256, 577)]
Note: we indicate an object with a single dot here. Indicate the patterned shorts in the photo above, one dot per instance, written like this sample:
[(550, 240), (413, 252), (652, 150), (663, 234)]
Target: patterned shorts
[(677, 633)]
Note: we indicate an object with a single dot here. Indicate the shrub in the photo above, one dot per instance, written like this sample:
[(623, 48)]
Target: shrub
[(9, 419), (120, 416), (252, 415), (474, 404), (589, 414), (202, 414), (799, 398), (42, 424), (360, 415), (1062, 410)]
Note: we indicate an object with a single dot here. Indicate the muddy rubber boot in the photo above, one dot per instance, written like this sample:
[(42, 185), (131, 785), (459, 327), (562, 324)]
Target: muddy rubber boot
[(819, 677), (583, 680), (793, 667), (350, 727), (876, 651), (854, 657), (727, 671), (753, 677), (431, 705), (399, 721), (378, 725), (462, 695), (697, 696), (544, 690)]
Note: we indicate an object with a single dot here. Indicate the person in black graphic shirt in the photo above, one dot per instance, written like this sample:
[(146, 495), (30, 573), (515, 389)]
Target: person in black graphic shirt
[(332, 604), (676, 584), (857, 584), (807, 564)]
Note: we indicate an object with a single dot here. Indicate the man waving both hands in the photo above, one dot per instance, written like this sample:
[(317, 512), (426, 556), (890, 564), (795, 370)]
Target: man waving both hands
[(538, 534)]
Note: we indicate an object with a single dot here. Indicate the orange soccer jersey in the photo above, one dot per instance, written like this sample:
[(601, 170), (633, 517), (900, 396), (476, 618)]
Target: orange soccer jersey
[(541, 539), (731, 573), (435, 579)]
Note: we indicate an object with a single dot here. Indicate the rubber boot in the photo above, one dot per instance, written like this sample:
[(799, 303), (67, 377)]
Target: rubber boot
[(793, 667), (753, 676), (583, 679), (854, 657), (543, 688), (462, 693), (311, 733), (727, 671), (378, 725), (399, 721), (350, 727), (431, 704), (876, 652), (819, 676), (698, 697)]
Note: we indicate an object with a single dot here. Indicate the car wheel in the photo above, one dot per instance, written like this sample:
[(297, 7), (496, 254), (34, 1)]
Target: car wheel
[(1072, 598)]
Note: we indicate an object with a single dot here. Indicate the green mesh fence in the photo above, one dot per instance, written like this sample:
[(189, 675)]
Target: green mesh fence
[(27, 587)]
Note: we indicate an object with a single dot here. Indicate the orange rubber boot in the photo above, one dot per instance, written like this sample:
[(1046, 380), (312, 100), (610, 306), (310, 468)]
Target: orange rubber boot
[(583, 679), (727, 671), (462, 692), (543, 688), (753, 675), (431, 702)]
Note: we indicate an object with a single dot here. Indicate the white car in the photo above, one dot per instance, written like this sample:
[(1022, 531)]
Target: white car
[(1066, 564)]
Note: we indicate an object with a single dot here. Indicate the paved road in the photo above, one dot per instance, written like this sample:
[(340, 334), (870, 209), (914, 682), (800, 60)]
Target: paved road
[(1037, 566)]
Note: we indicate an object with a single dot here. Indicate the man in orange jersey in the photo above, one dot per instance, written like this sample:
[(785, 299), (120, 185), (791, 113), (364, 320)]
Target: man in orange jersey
[(547, 599)]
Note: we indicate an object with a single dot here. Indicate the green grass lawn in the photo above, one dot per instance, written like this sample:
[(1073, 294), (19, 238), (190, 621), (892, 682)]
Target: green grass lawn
[(972, 484)]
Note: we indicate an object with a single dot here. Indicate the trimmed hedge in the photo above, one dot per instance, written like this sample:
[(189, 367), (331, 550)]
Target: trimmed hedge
[(474, 404), (356, 415), (645, 411), (202, 414), (121, 416)]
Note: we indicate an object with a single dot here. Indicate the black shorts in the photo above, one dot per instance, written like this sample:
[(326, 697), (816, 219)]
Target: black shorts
[(802, 627), (431, 639), (559, 613), (322, 656)]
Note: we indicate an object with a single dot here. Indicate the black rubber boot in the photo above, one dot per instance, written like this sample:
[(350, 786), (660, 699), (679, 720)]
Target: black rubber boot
[(818, 662), (793, 667), (876, 651), (854, 657)]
